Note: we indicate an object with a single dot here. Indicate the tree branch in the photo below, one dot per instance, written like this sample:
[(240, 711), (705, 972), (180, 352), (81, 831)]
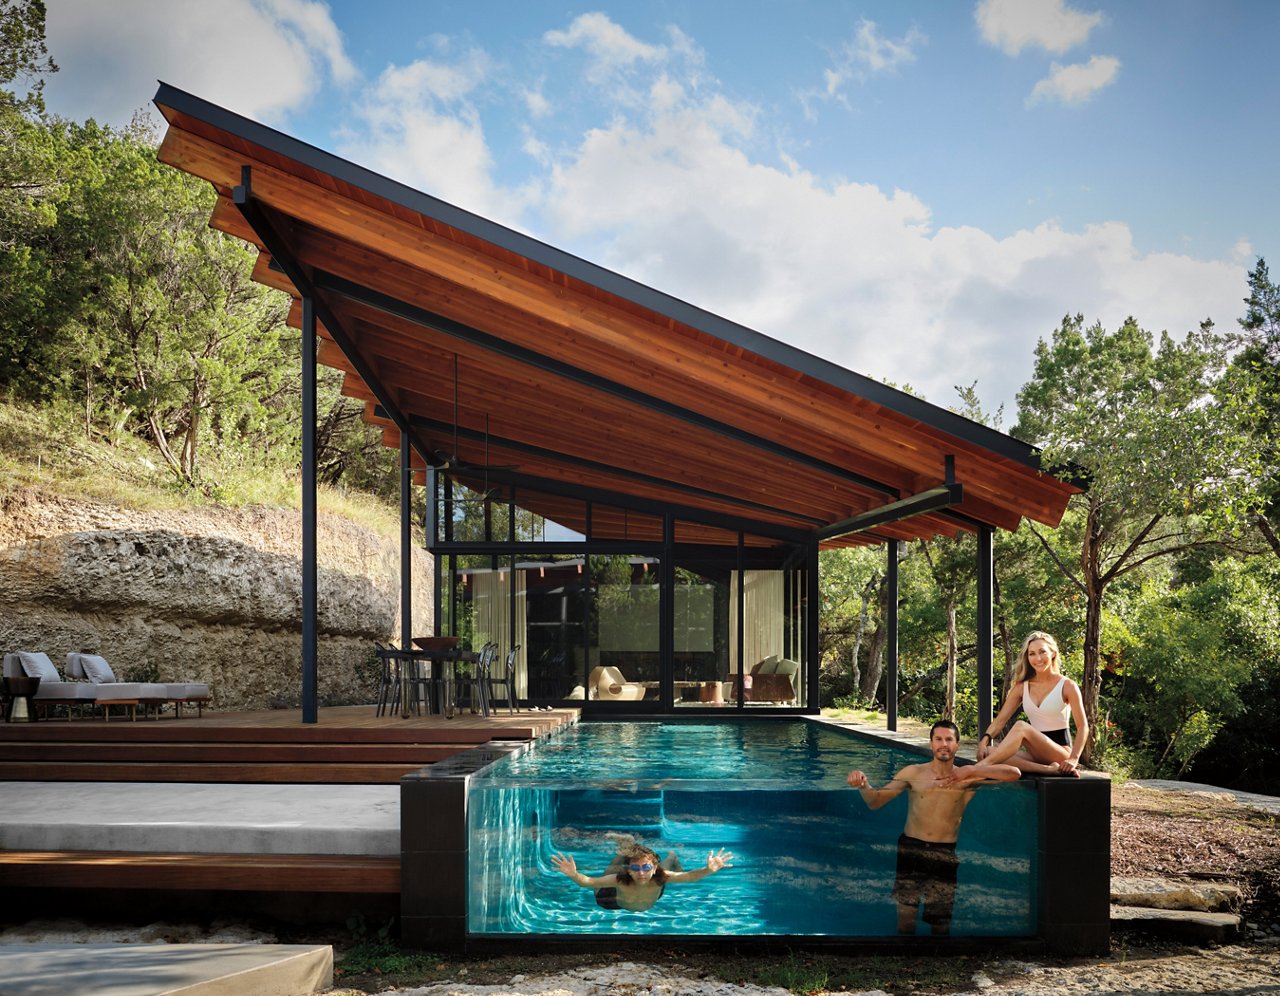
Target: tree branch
[(1269, 534), (1114, 572), (1057, 560), (1168, 551)]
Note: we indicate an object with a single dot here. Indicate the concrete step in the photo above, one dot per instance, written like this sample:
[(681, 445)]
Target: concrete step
[(147, 969), (1175, 894), (1193, 926)]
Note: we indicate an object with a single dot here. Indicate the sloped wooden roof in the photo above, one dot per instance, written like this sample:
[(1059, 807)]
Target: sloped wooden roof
[(588, 383)]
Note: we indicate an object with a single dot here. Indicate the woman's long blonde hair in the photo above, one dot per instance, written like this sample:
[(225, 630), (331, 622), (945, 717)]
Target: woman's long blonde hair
[(1023, 669)]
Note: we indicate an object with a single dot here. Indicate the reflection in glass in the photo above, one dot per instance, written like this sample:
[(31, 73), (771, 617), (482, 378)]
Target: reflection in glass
[(623, 631)]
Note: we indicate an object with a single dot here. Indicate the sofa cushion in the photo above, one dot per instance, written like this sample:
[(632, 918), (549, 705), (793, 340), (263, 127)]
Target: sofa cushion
[(766, 666), (38, 665), (96, 669)]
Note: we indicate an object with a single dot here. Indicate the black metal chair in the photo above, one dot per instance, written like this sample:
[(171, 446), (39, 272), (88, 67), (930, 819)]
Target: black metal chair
[(506, 680), (389, 685), (477, 684)]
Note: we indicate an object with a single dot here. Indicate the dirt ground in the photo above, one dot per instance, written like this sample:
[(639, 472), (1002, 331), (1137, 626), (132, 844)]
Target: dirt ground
[(1154, 833)]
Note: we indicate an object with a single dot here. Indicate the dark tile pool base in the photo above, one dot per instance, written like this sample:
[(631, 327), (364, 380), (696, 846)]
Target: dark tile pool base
[(1074, 860)]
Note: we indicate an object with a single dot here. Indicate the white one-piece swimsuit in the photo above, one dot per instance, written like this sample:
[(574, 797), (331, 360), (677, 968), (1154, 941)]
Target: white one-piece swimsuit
[(1051, 714)]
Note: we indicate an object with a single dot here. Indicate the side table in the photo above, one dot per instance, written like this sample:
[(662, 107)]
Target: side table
[(20, 692)]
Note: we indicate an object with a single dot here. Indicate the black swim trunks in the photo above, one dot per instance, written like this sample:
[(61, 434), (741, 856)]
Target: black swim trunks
[(927, 871), (1058, 736)]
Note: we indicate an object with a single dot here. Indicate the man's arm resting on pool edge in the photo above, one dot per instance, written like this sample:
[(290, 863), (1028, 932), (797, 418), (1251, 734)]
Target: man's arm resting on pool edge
[(875, 798)]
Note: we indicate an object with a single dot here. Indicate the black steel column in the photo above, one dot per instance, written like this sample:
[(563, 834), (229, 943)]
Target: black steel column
[(984, 628), (812, 597), (667, 613), (891, 640), (310, 699), (406, 545), (430, 528)]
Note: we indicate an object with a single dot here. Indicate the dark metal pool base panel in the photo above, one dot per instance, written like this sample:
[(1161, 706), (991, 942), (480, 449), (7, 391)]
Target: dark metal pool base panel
[(1074, 861)]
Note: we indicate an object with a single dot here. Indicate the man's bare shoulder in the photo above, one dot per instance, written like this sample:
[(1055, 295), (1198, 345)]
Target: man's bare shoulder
[(913, 773)]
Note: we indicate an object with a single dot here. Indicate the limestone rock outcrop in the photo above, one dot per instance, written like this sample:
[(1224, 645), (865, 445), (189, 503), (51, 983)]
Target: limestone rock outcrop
[(209, 595)]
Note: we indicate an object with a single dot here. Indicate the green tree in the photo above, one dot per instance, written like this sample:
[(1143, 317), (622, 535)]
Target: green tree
[(30, 176), (1255, 374), (164, 328), (1168, 468), (1193, 648)]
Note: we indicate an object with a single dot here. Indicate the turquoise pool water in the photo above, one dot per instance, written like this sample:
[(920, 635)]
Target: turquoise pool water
[(810, 859)]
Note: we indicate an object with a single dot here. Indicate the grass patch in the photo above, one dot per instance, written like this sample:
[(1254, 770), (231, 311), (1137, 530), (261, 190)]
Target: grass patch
[(46, 448)]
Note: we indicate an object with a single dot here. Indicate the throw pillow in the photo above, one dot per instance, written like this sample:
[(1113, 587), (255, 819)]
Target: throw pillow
[(38, 665)]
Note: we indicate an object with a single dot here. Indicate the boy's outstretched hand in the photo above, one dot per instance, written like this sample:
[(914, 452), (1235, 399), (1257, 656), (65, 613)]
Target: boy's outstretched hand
[(721, 859)]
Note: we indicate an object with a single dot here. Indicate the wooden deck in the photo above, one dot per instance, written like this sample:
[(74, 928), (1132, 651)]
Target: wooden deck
[(349, 744)]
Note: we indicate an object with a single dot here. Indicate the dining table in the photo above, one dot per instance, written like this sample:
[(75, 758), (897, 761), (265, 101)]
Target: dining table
[(442, 662)]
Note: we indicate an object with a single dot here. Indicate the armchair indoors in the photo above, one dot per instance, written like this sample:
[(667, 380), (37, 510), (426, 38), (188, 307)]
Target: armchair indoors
[(773, 680), (607, 683)]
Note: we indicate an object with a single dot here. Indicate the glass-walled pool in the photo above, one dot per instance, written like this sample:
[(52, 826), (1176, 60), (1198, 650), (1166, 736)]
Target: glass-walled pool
[(809, 857)]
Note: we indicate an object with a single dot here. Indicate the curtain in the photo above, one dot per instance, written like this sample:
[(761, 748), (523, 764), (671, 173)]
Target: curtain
[(492, 621), (762, 608)]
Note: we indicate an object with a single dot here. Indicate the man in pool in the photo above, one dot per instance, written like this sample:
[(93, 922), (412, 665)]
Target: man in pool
[(938, 795), (635, 879)]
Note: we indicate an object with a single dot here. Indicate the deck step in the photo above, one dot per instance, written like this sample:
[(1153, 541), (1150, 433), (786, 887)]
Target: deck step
[(173, 870), (163, 771), (1195, 926)]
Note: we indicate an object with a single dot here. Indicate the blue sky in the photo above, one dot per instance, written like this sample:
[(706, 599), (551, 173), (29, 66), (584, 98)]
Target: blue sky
[(917, 191)]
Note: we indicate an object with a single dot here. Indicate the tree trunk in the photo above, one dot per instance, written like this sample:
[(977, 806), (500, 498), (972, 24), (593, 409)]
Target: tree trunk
[(875, 653), (1269, 534), (949, 710), (1006, 641), (1095, 587)]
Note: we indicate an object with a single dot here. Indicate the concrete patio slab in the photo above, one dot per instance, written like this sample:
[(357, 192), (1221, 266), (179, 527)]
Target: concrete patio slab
[(153, 969), (196, 818)]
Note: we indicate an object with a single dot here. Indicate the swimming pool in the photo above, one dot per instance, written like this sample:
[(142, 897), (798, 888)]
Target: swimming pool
[(810, 859)]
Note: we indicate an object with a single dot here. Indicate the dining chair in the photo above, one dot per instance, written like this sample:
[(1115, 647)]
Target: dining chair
[(477, 684), (507, 680), (390, 687)]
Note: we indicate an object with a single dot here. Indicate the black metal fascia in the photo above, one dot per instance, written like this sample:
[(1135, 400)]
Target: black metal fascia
[(335, 284), (651, 506), (746, 338), (542, 452), (926, 501), (258, 216)]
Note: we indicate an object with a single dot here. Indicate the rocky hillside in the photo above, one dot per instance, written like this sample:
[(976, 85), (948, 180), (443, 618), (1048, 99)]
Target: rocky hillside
[(208, 595)]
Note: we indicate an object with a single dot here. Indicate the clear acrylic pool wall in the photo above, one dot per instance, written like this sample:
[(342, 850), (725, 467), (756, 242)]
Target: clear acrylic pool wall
[(810, 859)]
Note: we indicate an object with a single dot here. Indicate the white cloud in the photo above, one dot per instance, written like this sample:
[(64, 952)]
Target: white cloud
[(1077, 83), (261, 59), (609, 46), (852, 272), (1012, 25), (418, 124), (866, 54)]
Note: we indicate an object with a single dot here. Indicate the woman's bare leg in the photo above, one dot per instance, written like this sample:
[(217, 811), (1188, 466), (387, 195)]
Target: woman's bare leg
[(1029, 750)]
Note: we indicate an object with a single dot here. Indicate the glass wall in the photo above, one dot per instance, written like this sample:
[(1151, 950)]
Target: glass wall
[(624, 653), (627, 610)]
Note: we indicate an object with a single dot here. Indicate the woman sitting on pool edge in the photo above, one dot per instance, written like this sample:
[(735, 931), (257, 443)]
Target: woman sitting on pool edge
[(1042, 744), (635, 879)]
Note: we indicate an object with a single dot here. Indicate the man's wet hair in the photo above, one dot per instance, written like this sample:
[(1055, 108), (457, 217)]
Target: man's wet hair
[(948, 725)]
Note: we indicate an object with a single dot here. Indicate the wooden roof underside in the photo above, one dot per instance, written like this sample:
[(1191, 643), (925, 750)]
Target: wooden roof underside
[(588, 383)]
